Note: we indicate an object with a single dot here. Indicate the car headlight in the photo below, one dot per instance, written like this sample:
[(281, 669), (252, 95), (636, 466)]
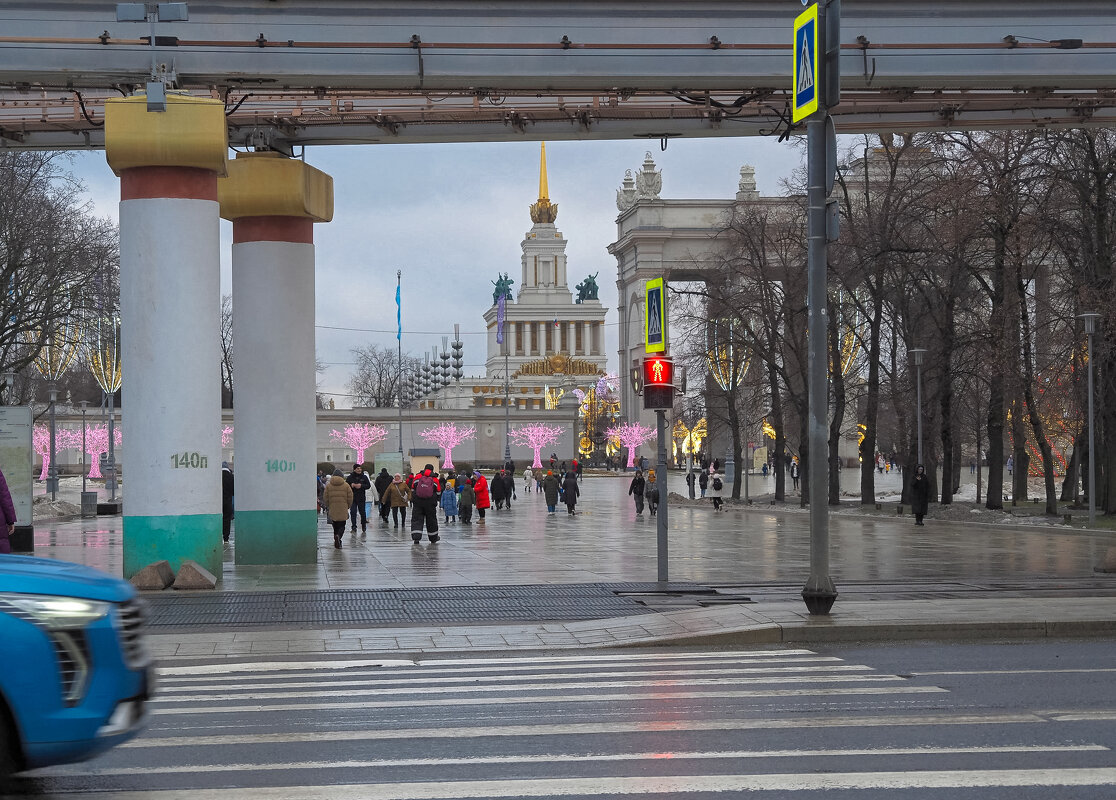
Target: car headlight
[(54, 613)]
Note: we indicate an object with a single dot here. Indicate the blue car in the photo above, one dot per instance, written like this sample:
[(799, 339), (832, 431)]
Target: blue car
[(75, 673)]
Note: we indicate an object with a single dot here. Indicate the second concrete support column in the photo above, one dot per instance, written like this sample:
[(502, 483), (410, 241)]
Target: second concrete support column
[(273, 351)]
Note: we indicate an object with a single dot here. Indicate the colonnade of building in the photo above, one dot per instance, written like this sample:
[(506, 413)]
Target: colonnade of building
[(176, 183)]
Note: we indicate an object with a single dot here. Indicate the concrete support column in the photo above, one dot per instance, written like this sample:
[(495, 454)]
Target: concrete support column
[(274, 202), (170, 294)]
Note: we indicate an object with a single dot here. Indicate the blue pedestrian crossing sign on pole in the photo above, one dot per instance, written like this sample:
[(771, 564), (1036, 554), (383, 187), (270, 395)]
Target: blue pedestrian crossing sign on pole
[(804, 98)]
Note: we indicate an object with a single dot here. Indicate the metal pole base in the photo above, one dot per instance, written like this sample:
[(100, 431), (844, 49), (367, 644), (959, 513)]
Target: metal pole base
[(819, 596)]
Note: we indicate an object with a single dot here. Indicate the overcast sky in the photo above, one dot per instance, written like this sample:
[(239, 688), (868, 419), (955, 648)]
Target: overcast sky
[(452, 217)]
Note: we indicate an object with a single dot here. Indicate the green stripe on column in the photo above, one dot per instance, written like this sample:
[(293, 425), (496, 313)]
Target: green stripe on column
[(193, 537), (276, 537)]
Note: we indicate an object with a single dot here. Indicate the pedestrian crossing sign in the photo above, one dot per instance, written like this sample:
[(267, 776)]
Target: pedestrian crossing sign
[(654, 316), (804, 97)]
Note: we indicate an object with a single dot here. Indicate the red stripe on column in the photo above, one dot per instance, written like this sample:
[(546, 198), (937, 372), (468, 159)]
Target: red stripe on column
[(187, 183), (299, 230)]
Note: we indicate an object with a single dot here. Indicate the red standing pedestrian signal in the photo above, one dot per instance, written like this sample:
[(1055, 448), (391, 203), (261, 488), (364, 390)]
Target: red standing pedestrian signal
[(658, 382)]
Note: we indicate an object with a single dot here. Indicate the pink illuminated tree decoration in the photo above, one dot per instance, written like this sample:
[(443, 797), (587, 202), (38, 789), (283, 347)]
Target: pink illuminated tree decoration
[(96, 442), (360, 437), (64, 439), (447, 436), (226, 435), (631, 436), (536, 435)]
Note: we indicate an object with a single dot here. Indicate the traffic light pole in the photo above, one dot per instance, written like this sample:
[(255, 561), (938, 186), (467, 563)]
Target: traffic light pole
[(819, 593), (661, 483)]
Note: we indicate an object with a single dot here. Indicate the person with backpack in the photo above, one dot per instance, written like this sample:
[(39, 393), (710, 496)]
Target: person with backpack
[(703, 481), (635, 490), (716, 485), (425, 491)]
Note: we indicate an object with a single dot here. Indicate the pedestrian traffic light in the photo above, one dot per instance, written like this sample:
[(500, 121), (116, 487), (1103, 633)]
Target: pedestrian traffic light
[(658, 382)]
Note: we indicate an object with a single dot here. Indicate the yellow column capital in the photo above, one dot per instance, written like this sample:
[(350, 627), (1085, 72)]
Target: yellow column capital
[(268, 184), (191, 133)]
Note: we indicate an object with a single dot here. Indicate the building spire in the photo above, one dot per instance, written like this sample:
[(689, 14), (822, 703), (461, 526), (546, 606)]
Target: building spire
[(543, 210)]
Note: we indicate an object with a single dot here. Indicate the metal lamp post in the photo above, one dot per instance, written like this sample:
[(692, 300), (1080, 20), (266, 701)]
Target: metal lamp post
[(916, 354), (1090, 320), (84, 405), (52, 473)]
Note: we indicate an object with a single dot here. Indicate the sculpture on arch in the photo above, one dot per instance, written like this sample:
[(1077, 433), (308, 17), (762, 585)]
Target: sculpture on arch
[(587, 289), (503, 286)]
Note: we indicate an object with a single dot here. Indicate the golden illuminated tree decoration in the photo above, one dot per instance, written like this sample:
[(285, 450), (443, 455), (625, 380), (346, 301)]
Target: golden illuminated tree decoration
[(57, 349), (728, 361), (599, 407), (688, 440), (768, 429), (851, 328), (104, 357)]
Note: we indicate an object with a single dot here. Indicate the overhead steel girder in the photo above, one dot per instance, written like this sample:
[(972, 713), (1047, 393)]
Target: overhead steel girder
[(353, 72)]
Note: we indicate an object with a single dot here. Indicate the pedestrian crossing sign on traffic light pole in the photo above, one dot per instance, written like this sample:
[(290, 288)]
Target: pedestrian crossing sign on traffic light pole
[(654, 315), (804, 98)]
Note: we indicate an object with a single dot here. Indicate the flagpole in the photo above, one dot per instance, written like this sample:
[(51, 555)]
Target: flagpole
[(399, 343)]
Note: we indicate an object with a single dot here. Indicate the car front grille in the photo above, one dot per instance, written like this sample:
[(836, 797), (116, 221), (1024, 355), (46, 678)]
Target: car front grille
[(72, 652), (131, 618)]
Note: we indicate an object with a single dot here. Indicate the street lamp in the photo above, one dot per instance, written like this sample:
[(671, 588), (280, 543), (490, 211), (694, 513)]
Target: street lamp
[(52, 473), (84, 405), (916, 354), (1090, 320)]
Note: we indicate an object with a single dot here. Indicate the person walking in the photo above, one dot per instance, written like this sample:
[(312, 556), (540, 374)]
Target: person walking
[(703, 480), (226, 500), (484, 499), (466, 502), (635, 490), (528, 479), (449, 500), (397, 497), (509, 488), (338, 498), (651, 492), (570, 491), (499, 489), (383, 481), (716, 485), (794, 472), (425, 492), (920, 494), (550, 491), (691, 479), (360, 483), (7, 508)]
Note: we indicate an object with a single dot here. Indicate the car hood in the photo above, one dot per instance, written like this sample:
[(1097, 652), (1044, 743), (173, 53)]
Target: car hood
[(29, 575)]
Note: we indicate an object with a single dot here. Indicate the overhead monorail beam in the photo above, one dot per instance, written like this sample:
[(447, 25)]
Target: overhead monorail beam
[(649, 68)]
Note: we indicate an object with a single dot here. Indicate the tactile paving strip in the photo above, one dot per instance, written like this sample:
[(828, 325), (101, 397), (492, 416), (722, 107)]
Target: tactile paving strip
[(455, 604)]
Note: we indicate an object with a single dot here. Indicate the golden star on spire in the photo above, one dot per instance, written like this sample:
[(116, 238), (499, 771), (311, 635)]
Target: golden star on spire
[(543, 210)]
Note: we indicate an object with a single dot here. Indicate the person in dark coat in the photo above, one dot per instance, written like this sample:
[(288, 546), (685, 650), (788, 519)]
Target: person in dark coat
[(7, 508), (920, 494), (703, 480), (635, 489), (550, 490), (509, 488), (498, 489), (570, 490), (226, 500), (691, 479), (466, 502), (383, 481), (360, 483)]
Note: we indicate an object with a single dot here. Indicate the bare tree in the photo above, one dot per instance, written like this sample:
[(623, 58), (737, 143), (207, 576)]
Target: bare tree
[(377, 379), (226, 351), (58, 262)]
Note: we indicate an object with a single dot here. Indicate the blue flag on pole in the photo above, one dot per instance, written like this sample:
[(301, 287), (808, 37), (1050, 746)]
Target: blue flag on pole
[(500, 311), (398, 316)]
